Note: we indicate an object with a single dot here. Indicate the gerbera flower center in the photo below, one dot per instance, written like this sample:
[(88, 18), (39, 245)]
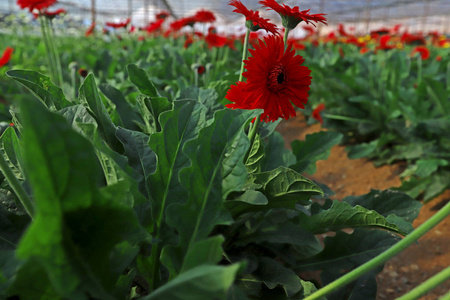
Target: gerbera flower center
[(277, 78)]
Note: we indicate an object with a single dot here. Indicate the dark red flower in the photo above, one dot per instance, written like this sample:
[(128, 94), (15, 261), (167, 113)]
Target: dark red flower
[(215, 40), (119, 24), (6, 57), (364, 50), (424, 52), (291, 16), (83, 72), (438, 58), (341, 30), (189, 40), (162, 15), (253, 21), (35, 4), (204, 16), (415, 39), (52, 14), (275, 80), (383, 45), (201, 70), (316, 112), (180, 23)]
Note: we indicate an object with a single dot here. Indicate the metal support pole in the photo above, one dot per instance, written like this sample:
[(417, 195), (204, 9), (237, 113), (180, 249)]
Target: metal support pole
[(146, 17), (426, 12), (130, 8), (93, 12), (368, 4)]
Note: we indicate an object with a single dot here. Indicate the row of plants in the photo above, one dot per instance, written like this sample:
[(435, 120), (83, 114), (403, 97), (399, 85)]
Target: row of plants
[(132, 179)]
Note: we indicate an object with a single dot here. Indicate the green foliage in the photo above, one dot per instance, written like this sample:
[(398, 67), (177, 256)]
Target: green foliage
[(142, 192)]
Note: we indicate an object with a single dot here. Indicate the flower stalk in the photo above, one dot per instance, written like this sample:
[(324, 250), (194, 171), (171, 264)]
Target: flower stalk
[(244, 53), (428, 285), (385, 256), (52, 52)]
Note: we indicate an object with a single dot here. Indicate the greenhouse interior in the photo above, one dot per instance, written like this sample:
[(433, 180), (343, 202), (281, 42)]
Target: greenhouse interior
[(224, 149)]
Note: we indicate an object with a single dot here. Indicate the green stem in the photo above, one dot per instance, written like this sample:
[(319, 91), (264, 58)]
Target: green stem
[(285, 38), (244, 53), (344, 118), (427, 286), (419, 69), (16, 186), (445, 297), (383, 257)]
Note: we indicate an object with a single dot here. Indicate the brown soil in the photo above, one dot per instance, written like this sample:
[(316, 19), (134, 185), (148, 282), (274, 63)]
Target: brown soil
[(348, 177)]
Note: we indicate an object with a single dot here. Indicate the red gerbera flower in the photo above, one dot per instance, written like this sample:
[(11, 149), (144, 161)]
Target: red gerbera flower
[(51, 14), (154, 26), (291, 16), (35, 4), (215, 40), (275, 78), (90, 30), (316, 112), (384, 43), (253, 21), (424, 52), (204, 16), (180, 23), (6, 57), (119, 24)]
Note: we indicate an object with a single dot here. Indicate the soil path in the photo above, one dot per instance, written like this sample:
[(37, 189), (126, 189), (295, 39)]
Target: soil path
[(348, 177)]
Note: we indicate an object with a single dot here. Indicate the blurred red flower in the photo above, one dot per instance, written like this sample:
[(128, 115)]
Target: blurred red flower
[(204, 16), (90, 30), (189, 40), (180, 23), (364, 50), (424, 52), (438, 58), (253, 21), (35, 4), (291, 16), (215, 40), (119, 24), (316, 112), (275, 78), (383, 45), (154, 26), (6, 57)]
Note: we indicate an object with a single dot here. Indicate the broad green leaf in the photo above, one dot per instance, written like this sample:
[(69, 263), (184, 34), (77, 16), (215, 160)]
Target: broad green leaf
[(128, 116), (12, 151), (362, 150), (347, 251), (204, 252), (141, 80), (425, 167), (342, 215), (42, 87), (276, 153), (207, 97), (76, 225), (200, 283), (255, 156), (140, 157), (250, 200), (388, 203), (284, 187), (274, 274), (216, 169), (316, 146), (90, 98), (156, 106), (179, 126)]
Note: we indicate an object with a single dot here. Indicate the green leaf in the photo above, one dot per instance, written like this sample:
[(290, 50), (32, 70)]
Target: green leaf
[(12, 151), (42, 87), (317, 146), (387, 203), (342, 215), (347, 251), (90, 98), (141, 80), (217, 168), (255, 156), (140, 157), (200, 283), (128, 116), (156, 106), (362, 150), (77, 224), (284, 187), (207, 97), (250, 200), (276, 154), (204, 252)]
